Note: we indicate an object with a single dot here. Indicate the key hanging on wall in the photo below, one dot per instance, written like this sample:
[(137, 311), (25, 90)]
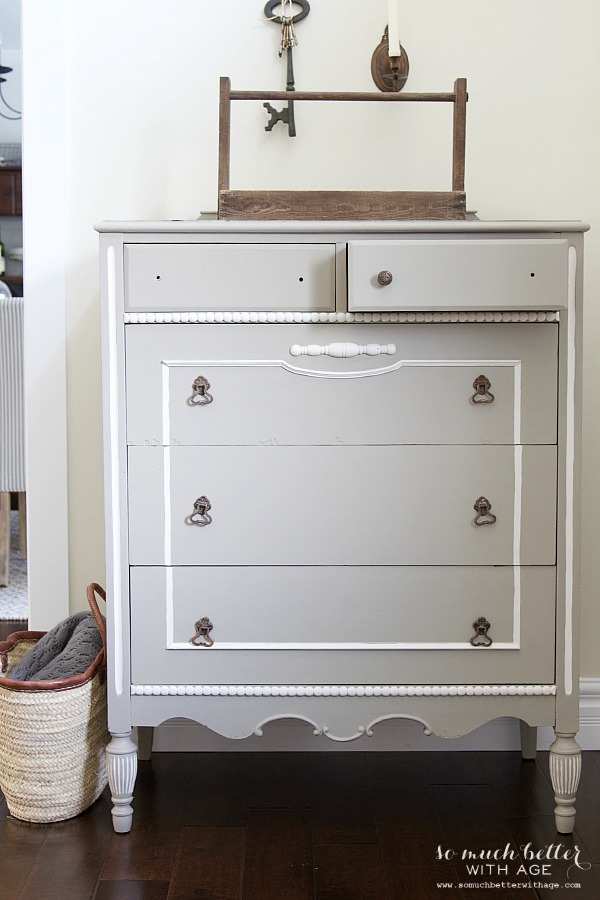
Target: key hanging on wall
[(287, 20)]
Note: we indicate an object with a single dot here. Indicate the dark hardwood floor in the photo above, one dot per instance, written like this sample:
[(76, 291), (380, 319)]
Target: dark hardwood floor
[(328, 826), (331, 826)]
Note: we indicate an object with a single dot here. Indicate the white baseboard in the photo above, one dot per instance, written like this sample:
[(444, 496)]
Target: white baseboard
[(501, 734)]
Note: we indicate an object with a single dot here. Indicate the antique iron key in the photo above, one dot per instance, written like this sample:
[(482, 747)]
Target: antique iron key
[(288, 42)]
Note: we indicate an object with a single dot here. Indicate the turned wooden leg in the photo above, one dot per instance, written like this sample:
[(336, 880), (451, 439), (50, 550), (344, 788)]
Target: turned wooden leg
[(565, 769), (121, 766), (145, 734), (528, 740)]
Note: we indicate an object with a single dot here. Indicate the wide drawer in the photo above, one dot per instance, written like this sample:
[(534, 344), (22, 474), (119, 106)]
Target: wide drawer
[(230, 276), (457, 274), (342, 505), (420, 391), (258, 615)]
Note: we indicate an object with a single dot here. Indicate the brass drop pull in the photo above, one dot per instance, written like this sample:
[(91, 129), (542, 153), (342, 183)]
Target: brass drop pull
[(202, 637), (482, 393), (200, 515), (384, 278), (482, 507), (200, 395), (481, 637)]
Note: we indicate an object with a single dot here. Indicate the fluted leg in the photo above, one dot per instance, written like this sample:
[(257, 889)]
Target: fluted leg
[(565, 769), (121, 766)]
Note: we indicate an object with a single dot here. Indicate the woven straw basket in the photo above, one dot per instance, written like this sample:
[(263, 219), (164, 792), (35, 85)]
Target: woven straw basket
[(53, 734)]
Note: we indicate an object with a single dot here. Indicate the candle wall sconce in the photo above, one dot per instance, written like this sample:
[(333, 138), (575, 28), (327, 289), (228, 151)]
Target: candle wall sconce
[(389, 72)]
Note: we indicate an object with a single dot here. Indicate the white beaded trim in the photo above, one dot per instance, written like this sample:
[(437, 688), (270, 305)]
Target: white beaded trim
[(201, 318), (342, 690)]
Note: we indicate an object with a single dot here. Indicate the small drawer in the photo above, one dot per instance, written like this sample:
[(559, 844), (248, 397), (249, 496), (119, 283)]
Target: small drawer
[(457, 274), (230, 277), (407, 615), (379, 505), (422, 392)]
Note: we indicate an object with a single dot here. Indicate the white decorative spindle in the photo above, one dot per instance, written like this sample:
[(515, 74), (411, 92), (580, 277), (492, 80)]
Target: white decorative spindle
[(343, 350)]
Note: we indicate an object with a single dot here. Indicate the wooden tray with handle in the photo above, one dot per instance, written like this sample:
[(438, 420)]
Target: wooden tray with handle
[(343, 205)]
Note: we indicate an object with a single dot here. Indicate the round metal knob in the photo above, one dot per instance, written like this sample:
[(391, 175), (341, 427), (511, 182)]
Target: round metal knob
[(385, 278)]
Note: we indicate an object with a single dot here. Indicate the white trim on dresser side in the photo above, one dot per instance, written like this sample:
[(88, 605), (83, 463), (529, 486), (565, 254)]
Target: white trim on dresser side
[(570, 469)]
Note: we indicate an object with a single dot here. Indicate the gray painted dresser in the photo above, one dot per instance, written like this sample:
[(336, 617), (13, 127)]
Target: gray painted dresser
[(342, 480)]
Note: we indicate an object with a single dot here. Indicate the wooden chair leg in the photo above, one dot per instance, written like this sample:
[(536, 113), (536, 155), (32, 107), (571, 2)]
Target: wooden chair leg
[(4, 537), (23, 524)]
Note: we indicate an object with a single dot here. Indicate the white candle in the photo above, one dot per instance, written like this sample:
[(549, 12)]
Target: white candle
[(394, 27)]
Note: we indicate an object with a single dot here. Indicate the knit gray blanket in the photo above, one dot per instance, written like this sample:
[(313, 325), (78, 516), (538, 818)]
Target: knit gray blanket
[(67, 650)]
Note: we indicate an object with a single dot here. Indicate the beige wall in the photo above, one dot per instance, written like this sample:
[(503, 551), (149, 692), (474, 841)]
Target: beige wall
[(137, 137)]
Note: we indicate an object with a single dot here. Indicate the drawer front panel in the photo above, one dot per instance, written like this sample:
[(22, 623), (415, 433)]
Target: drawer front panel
[(452, 274), (230, 276), (342, 505), (313, 611), (423, 392)]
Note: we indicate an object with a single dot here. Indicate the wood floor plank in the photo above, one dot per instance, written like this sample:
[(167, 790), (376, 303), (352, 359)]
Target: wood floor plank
[(393, 773), (278, 855), (405, 844), (336, 775), (209, 864), (343, 800), (279, 780), (398, 787), (132, 890), (349, 872), (454, 767), (145, 854), (589, 835), (520, 786), (69, 862), (343, 823), (468, 803), (162, 788), (20, 845), (430, 882), (350, 826), (219, 790)]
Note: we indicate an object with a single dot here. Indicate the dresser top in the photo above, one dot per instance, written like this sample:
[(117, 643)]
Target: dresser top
[(214, 226)]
